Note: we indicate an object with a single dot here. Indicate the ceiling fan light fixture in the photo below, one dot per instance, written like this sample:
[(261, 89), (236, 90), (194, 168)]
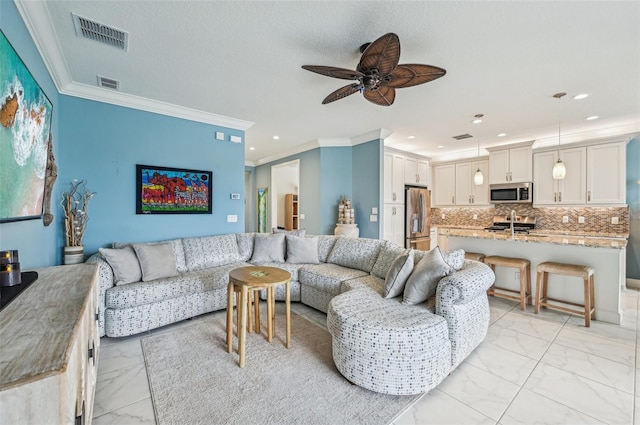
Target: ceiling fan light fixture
[(478, 178), (477, 119), (559, 169)]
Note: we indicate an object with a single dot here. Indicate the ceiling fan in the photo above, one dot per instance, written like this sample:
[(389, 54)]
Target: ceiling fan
[(378, 74)]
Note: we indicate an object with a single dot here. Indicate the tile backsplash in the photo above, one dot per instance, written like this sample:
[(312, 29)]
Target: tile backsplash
[(596, 219)]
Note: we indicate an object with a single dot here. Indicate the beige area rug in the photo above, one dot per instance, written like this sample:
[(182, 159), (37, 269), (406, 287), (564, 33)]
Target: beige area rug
[(194, 380)]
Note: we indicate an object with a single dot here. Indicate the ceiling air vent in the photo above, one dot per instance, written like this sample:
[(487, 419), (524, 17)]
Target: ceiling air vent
[(108, 83), (462, 136), (101, 33)]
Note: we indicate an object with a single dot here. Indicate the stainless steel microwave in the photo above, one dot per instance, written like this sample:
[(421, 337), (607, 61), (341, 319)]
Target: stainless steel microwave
[(511, 193)]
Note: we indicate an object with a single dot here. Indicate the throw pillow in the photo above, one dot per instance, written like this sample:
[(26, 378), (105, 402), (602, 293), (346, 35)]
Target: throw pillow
[(454, 258), (156, 261), (302, 250), (398, 274), (124, 263), (296, 232), (423, 282), (268, 248)]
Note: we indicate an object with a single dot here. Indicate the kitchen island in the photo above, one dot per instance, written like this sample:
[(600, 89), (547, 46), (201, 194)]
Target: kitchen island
[(607, 255)]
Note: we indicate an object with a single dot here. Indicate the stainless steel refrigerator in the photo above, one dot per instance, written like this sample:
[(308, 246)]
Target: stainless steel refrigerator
[(417, 221)]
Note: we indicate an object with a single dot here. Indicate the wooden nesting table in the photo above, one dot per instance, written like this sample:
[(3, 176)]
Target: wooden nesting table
[(245, 281)]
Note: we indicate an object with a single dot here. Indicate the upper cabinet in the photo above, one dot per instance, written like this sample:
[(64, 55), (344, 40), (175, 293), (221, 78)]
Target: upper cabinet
[(606, 173), (393, 178), (596, 175), (512, 164), (416, 172), (453, 184), (444, 188)]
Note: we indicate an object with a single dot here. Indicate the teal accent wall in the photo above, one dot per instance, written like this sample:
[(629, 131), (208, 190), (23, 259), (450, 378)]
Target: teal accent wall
[(633, 200), (367, 186), (37, 244), (336, 181), (102, 143)]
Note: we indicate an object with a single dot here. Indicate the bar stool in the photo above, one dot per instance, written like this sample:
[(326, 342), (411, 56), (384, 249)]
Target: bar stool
[(585, 272), (524, 294), (476, 256)]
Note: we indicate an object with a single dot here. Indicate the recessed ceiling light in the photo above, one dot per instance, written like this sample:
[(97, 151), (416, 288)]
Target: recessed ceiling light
[(502, 134), (252, 148), (276, 137), (411, 137), (478, 118), (580, 96), (591, 118), (440, 146)]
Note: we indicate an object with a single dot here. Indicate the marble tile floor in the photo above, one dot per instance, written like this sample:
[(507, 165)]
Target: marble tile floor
[(530, 369)]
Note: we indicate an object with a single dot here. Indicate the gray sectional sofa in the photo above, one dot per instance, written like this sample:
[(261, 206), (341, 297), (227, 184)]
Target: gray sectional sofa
[(346, 279)]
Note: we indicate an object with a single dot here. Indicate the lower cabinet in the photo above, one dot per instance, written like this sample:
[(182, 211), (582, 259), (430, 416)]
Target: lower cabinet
[(50, 359), (393, 224)]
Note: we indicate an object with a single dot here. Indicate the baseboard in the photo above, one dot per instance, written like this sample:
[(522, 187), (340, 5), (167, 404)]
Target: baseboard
[(633, 283)]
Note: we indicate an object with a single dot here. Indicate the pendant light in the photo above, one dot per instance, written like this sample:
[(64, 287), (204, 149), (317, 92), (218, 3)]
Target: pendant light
[(559, 169), (478, 178)]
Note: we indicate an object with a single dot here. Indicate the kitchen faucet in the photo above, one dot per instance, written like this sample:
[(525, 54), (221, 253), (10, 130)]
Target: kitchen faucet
[(513, 218)]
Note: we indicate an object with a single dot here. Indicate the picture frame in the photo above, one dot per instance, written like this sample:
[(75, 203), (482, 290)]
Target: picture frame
[(166, 190), (25, 127), (263, 193)]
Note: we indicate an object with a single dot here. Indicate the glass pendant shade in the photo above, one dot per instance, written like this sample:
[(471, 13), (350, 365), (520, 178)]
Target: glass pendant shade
[(478, 178), (559, 170)]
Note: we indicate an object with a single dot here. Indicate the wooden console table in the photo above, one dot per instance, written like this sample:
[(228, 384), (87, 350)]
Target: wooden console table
[(49, 349)]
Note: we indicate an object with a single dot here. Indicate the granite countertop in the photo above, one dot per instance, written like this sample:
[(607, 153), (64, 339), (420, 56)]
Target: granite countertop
[(538, 236)]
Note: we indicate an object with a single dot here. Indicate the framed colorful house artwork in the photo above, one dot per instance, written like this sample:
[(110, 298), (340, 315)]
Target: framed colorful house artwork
[(25, 126), (262, 209), (162, 190)]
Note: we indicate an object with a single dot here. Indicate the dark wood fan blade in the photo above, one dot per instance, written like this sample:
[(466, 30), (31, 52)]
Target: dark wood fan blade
[(384, 96), (342, 92), (383, 54), (332, 71), (413, 74)]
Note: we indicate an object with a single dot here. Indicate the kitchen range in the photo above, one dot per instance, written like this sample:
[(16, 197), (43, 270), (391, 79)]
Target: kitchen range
[(521, 223)]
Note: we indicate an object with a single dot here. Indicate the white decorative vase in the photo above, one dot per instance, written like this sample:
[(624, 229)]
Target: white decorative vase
[(349, 230), (73, 254)]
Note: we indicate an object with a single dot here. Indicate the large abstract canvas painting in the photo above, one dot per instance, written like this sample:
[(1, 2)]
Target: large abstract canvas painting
[(25, 123), (162, 190)]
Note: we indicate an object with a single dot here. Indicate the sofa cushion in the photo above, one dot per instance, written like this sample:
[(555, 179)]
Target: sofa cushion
[(327, 277), (397, 275), (124, 263), (389, 251), (268, 248), (156, 261), (367, 283), (424, 280), (141, 293), (176, 245), (210, 251), (454, 258), (355, 253), (302, 250), (325, 245), (245, 245)]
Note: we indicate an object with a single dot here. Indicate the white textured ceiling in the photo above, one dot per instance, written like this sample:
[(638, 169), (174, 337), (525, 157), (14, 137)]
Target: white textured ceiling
[(243, 60)]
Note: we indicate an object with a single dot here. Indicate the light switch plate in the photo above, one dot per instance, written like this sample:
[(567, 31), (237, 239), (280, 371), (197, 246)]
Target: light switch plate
[(235, 139), (232, 218), (374, 210), (475, 216), (581, 219), (235, 196), (301, 216), (614, 220), (565, 218), (219, 135), (373, 218)]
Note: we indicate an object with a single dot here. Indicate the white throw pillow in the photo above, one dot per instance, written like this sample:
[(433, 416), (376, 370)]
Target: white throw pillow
[(268, 248), (398, 274), (156, 261), (302, 250), (124, 263), (423, 282)]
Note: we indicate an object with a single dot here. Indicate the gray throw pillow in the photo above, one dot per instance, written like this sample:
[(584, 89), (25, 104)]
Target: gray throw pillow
[(398, 274), (156, 261), (454, 258), (297, 232), (124, 263), (423, 282), (302, 250), (268, 248)]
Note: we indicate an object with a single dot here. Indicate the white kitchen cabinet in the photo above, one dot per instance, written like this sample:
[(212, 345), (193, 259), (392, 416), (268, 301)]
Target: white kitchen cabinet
[(467, 192), (444, 185), (511, 165), (393, 223), (568, 191), (393, 178), (416, 171), (606, 173)]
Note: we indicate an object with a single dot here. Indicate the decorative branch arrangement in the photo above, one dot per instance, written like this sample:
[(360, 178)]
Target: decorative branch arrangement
[(75, 204)]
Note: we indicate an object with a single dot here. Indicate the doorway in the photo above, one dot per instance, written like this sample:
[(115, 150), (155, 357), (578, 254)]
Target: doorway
[(285, 178)]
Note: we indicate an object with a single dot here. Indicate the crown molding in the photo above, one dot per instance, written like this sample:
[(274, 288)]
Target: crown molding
[(35, 15), (380, 133)]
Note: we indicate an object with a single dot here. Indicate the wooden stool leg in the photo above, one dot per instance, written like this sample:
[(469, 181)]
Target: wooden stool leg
[(243, 324), (230, 293), (273, 310), (250, 311), (545, 285), (493, 268), (536, 307), (527, 271), (523, 289), (587, 303), (592, 285), (288, 312), (256, 307), (269, 315)]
